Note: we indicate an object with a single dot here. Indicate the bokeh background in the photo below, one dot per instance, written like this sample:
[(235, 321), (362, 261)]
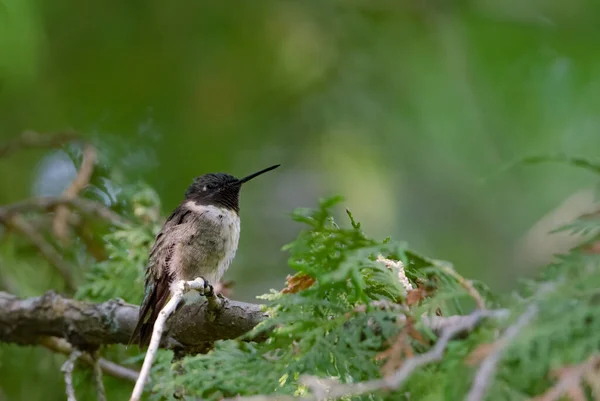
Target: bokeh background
[(409, 109)]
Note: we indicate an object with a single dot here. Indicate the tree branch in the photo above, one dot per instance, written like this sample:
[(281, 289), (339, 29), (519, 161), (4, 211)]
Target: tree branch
[(67, 369), (330, 389), (466, 284), (32, 139), (61, 346), (54, 258), (86, 325), (100, 391), (181, 288), (571, 379), (79, 183), (486, 371), (50, 203)]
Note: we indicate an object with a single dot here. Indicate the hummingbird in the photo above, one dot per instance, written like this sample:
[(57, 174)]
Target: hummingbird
[(199, 239)]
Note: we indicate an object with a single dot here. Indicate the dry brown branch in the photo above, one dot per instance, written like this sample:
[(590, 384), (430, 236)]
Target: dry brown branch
[(486, 371), (110, 368), (82, 179), (570, 380), (297, 282), (416, 296), (400, 349), (32, 139), (67, 369), (62, 267), (466, 284), (87, 325), (480, 353)]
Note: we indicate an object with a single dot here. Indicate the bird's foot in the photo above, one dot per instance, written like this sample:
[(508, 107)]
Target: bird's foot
[(195, 289), (214, 303), (208, 290), (203, 288)]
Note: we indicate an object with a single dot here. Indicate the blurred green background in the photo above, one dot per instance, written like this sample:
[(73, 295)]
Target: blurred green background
[(403, 107)]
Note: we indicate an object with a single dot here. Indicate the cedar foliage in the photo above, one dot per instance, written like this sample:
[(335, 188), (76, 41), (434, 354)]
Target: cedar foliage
[(324, 331), (338, 316)]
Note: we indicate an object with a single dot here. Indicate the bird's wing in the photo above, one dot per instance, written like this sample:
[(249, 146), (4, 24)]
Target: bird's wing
[(158, 275)]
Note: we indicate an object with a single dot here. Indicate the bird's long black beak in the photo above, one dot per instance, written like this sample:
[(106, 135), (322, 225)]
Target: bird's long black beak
[(251, 176)]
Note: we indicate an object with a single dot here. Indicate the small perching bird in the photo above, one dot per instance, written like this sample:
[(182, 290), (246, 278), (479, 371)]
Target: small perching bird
[(199, 239)]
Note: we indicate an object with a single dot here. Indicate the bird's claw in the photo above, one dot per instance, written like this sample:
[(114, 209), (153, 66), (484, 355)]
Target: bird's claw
[(209, 291), (214, 304)]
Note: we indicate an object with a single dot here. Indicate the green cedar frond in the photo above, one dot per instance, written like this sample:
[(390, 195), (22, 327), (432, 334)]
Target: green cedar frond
[(335, 329), (321, 330)]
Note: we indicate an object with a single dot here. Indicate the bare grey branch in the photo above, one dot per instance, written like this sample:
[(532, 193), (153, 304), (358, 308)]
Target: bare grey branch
[(67, 369), (61, 346), (87, 325)]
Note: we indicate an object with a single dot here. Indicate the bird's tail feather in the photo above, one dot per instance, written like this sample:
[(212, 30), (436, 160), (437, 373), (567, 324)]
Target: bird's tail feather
[(151, 307)]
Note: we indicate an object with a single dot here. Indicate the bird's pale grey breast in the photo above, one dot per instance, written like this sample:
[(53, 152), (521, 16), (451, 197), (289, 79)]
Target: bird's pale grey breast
[(206, 243)]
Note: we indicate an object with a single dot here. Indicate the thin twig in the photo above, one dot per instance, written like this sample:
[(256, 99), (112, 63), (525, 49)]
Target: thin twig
[(64, 268), (329, 389), (466, 284), (570, 378), (86, 206), (467, 323), (179, 290), (439, 324), (110, 368), (486, 371), (100, 392), (82, 179), (67, 369), (32, 139)]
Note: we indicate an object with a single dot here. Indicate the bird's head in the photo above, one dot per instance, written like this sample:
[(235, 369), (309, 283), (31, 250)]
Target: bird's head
[(219, 189)]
